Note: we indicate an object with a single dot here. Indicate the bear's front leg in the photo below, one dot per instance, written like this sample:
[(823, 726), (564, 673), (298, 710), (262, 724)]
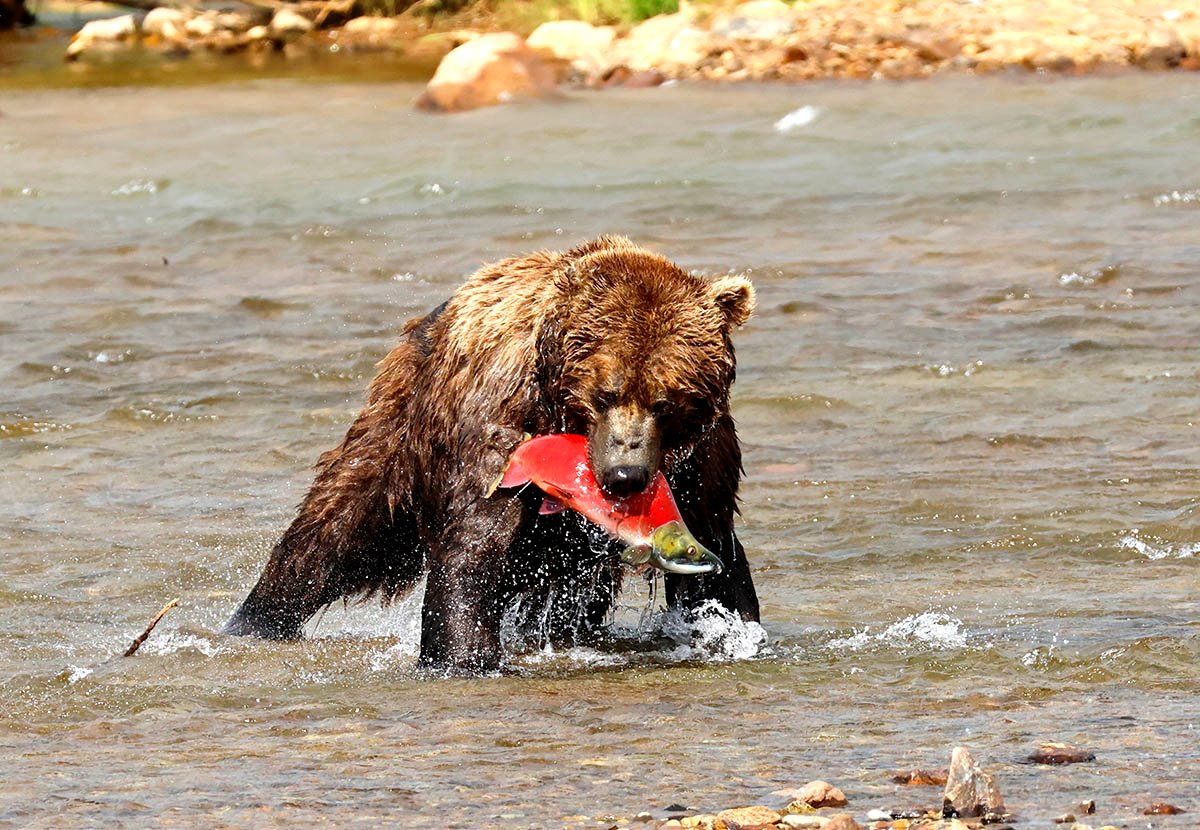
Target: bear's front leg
[(466, 589)]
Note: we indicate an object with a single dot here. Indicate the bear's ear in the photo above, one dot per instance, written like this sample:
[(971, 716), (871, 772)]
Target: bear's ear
[(734, 295)]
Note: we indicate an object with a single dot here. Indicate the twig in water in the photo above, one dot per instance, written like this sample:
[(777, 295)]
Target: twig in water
[(142, 637)]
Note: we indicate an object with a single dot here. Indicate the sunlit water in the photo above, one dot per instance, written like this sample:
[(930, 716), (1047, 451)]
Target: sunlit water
[(969, 403)]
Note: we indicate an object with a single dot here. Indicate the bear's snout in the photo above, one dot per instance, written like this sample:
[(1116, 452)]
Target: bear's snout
[(625, 447), (625, 480)]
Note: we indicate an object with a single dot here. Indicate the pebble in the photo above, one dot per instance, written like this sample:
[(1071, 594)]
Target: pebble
[(1065, 818), (842, 821), (1052, 752), (1087, 807)]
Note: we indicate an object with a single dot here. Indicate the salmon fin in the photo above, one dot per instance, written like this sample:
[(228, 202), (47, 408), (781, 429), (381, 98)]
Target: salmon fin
[(550, 506)]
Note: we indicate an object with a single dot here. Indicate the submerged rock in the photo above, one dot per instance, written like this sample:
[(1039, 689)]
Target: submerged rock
[(1162, 808), (969, 790), (490, 69), (1058, 753), (921, 778)]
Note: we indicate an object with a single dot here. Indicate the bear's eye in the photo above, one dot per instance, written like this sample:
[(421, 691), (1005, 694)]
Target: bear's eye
[(660, 407), (604, 400)]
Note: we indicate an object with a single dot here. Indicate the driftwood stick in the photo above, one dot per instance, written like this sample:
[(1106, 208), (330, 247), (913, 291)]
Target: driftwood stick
[(142, 637)]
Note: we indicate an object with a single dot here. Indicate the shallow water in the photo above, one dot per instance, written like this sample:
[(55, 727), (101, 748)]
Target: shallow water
[(969, 404)]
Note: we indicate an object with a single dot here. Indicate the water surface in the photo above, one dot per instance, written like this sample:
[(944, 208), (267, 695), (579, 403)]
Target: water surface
[(968, 402)]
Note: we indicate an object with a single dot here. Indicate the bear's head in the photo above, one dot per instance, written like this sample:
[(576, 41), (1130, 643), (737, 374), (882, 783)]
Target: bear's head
[(647, 358)]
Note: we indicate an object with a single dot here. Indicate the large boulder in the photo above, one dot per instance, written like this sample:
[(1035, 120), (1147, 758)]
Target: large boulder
[(584, 47), (490, 69), (669, 42)]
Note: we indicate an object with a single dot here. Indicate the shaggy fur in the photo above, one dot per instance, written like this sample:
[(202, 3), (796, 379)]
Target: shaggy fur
[(550, 342)]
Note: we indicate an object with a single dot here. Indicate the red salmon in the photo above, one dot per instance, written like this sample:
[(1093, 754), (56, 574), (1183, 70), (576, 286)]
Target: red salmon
[(648, 522)]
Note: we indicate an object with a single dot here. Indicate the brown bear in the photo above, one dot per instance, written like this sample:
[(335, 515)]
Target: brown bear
[(607, 340)]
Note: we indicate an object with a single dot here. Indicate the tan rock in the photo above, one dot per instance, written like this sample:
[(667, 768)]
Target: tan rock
[(288, 24), (165, 22), (669, 42), (584, 47), (1161, 48), (703, 821), (748, 818), (799, 821), (821, 794), (969, 790), (842, 821), (370, 25), (202, 26), (110, 30), (490, 69)]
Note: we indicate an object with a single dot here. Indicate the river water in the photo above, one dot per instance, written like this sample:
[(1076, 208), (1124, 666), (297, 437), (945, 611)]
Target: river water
[(969, 403)]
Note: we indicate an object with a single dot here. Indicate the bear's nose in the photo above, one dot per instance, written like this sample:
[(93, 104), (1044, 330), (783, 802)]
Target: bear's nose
[(626, 479)]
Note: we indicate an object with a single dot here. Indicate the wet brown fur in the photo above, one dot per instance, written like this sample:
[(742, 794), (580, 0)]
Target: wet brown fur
[(525, 346)]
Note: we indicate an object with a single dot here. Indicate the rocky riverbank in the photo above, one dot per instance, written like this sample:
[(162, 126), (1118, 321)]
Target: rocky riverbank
[(760, 40), (970, 799)]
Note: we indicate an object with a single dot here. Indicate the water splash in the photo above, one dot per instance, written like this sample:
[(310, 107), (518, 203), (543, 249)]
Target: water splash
[(795, 119), (934, 629), (1159, 549)]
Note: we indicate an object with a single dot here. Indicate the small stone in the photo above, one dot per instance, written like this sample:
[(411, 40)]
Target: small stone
[(1065, 818), (1058, 753), (819, 794), (704, 821), (748, 818), (842, 821), (643, 817), (1162, 808), (921, 778), (1088, 807), (879, 815), (670, 824)]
